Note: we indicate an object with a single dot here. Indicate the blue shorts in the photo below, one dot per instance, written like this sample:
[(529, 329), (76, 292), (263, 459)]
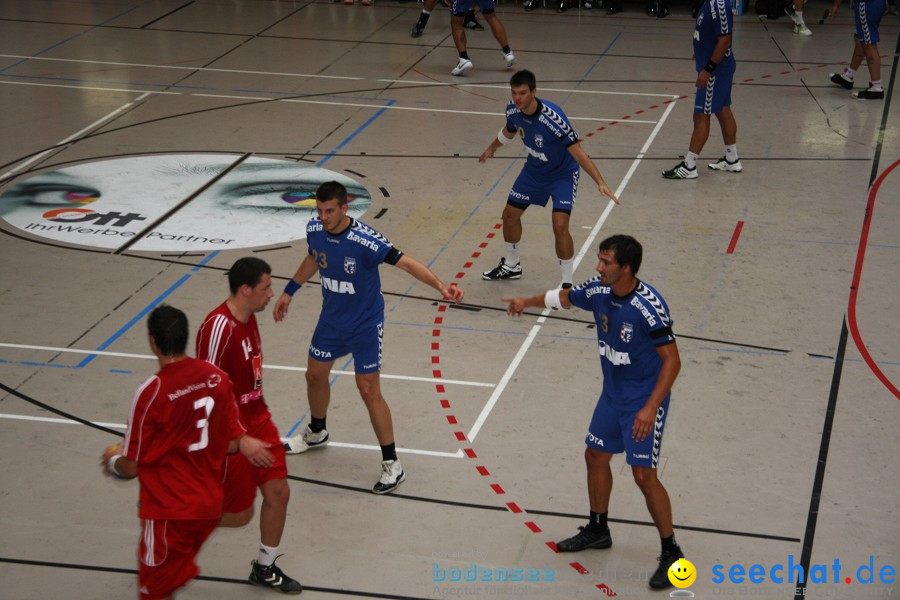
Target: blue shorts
[(868, 17), (530, 190), (364, 344), (716, 95), (461, 7), (610, 431)]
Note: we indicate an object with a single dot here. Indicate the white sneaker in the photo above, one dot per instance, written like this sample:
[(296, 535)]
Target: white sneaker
[(723, 165), (510, 59), (307, 440), (802, 29), (462, 67), (392, 476)]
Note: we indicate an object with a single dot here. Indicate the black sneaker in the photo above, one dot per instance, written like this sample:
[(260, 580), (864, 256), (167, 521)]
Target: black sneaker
[(502, 271), (472, 23), (680, 171), (417, 31), (869, 94), (660, 578), (841, 81), (273, 577), (585, 538)]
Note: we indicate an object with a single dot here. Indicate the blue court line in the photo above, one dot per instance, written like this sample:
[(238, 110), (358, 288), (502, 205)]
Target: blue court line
[(146, 310), (356, 133), (70, 38), (600, 57)]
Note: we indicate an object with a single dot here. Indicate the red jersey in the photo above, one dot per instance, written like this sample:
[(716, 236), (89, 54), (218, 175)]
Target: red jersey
[(235, 348), (180, 424)]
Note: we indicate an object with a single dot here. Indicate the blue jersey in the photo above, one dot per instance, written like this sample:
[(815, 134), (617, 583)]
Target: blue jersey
[(629, 330), (348, 268), (547, 136), (715, 19)]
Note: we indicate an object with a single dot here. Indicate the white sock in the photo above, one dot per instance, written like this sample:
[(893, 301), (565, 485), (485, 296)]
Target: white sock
[(512, 254), (690, 159), (267, 555), (731, 154), (849, 73), (567, 267), (798, 17), (876, 86)]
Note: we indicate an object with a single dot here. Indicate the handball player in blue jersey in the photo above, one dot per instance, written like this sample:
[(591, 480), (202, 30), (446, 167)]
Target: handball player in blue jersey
[(867, 16), (715, 65), (347, 253), (639, 359), (554, 163)]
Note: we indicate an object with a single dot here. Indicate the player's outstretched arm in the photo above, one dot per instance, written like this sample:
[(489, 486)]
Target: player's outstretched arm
[(306, 270), (585, 162), (503, 137), (450, 292), (554, 298)]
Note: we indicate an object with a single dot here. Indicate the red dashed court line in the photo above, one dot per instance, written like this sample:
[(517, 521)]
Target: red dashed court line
[(638, 112), (792, 71), (734, 237), (460, 436)]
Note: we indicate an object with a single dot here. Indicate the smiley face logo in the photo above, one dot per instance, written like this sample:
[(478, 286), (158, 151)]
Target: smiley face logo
[(682, 573)]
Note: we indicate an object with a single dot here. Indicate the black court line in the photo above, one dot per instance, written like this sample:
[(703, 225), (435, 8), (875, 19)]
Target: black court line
[(443, 502), (165, 216), (819, 480), (102, 569), (145, 25)]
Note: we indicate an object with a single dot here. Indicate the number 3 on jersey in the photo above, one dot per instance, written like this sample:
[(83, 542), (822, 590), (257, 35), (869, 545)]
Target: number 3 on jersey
[(320, 258), (206, 403)]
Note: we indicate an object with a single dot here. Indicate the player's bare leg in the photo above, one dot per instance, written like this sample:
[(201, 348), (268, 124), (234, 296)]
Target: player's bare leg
[(728, 125), (272, 515), (512, 224), (657, 498), (599, 479), (369, 385), (238, 519), (700, 133), (318, 389)]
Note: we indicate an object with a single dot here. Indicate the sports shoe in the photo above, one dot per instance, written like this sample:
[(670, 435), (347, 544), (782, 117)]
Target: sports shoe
[(802, 29), (723, 165), (660, 578), (501, 271), (585, 538), (305, 441), (531, 4), (462, 67), (842, 81), (417, 31), (680, 171), (273, 577), (869, 94), (562, 5), (472, 23), (392, 476), (588, 4), (510, 59)]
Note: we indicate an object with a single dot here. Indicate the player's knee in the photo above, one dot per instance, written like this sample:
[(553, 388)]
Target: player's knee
[(238, 519), (315, 378), (277, 492), (645, 478), (595, 459)]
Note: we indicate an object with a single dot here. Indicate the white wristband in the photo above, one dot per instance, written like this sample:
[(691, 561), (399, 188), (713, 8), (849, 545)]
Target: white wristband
[(112, 465), (502, 138), (551, 299)]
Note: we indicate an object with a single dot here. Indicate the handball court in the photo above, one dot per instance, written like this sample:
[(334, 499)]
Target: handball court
[(782, 281)]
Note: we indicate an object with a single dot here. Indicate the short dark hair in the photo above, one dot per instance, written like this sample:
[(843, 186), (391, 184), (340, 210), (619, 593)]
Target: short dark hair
[(331, 190), (168, 327), (523, 77), (627, 250), (247, 271)]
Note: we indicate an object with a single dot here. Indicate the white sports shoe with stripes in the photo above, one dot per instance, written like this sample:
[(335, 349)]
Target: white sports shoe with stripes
[(723, 165)]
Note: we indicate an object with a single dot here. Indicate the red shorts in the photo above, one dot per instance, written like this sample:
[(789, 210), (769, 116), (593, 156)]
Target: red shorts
[(167, 552), (242, 478)]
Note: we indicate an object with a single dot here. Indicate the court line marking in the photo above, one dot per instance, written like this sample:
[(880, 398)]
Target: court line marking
[(514, 365), (57, 421), (56, 146), (430, 380)]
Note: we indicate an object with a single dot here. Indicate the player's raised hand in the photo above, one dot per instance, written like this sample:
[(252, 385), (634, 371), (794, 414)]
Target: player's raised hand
[(281, 307)]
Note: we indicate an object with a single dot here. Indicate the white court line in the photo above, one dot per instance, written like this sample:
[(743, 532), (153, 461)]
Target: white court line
[(457, 454), (38, 156), (431, 380), (179, 67), (542, 89), (501, 386), (87, 87)]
